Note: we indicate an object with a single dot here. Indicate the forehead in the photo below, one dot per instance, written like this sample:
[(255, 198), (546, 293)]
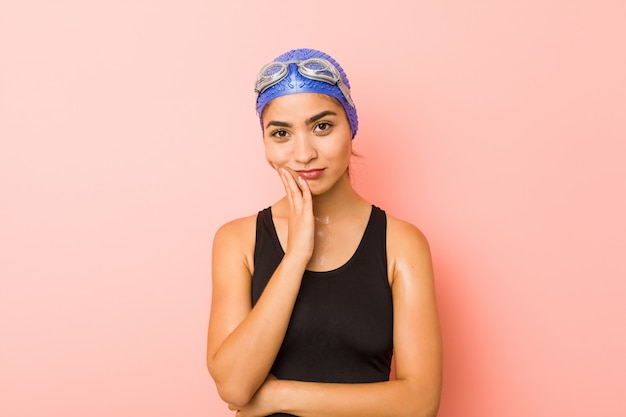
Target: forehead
[(293, 107)]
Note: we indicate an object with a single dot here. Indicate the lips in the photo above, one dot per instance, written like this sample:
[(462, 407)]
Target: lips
[(310, 174)]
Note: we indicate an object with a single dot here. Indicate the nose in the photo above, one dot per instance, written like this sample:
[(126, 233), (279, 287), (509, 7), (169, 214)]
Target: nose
[(304, 150)]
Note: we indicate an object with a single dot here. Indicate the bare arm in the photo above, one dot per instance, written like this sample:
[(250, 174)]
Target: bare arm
[(244, 341), (417, 350)]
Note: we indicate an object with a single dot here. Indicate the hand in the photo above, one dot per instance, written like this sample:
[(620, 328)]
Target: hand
[(263, 403), (300, 237)]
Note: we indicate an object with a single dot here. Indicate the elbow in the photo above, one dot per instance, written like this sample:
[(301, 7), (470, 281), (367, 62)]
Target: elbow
[(233, 395), (431, 408), (423, 409), (425, 403), (231, 391)]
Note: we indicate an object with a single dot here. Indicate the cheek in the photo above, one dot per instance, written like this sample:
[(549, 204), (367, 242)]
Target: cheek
[(274, 155), (345, 151)]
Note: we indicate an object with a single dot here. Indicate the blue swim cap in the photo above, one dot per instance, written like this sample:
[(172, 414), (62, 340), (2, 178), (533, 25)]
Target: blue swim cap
[(294, 82)]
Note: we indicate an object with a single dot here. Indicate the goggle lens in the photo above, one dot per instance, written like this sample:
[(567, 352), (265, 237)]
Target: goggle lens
[(273, 69), (320, 69), (313, 68)]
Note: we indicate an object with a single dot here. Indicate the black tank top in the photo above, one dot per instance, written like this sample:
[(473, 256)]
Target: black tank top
[(341, 327)]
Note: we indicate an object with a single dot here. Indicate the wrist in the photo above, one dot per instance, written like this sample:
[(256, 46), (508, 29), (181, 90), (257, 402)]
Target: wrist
[(280, 389), (295, 260)]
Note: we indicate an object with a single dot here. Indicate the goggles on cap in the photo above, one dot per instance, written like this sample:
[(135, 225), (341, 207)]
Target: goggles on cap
[(313, 68)]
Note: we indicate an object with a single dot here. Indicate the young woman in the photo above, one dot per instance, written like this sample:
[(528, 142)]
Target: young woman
[(314, 295)]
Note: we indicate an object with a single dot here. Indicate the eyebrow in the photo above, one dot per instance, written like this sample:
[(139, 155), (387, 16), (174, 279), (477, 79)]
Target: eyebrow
[(315, 118), (277, 123), (308, 121)]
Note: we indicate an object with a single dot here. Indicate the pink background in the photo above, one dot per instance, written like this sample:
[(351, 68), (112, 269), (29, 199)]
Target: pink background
[(128, 136)]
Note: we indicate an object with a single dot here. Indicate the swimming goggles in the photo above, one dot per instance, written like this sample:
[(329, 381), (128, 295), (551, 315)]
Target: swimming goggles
[(318, 69)]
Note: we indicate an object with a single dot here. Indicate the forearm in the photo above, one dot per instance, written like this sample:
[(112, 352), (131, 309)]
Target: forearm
[(242, 362), (395, 398)]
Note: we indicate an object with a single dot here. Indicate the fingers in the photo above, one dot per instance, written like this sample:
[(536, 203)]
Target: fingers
[(295, 185), (301, 225), (306, 191), (285, 180), (294, 195)]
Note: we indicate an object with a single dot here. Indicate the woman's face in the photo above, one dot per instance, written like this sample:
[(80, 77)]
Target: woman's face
[(310, 134)]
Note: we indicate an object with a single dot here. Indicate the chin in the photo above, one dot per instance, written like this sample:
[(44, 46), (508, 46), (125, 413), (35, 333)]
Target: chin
[(317, 189), (321, 187)]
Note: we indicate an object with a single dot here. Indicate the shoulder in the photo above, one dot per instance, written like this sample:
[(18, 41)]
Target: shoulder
[(235, 240), (407, 247), (236, 229), (403, 236)]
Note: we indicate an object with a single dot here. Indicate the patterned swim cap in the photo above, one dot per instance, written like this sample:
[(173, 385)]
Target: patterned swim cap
[(294, 82)]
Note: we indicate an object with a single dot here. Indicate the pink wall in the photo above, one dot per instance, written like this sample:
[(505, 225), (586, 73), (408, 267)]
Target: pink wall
[(128, 136)]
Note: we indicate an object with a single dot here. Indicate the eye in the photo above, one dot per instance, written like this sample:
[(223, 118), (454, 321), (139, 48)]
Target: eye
[(323, 126), (279, 134)]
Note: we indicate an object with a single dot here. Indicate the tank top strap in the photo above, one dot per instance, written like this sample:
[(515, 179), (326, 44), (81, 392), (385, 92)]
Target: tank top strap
[(378, 230), (267, 252), (374, 243)]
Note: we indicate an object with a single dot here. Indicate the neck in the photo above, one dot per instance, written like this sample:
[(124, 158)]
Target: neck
[(336, 202)]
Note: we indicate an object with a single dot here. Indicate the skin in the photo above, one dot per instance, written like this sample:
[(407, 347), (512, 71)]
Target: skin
[(319, 223)]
